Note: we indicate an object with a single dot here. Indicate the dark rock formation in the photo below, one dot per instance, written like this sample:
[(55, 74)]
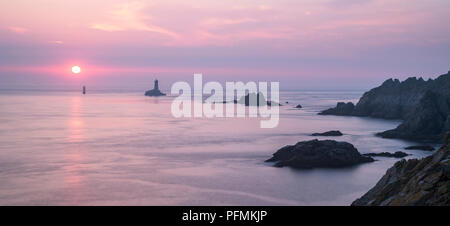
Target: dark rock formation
[(423, 105), (340, 109), (397, 154), (427, 121), (413, 183), (328, 133), (155, 91), (318, 154), (298, 106), (420, 147), (252, 99)]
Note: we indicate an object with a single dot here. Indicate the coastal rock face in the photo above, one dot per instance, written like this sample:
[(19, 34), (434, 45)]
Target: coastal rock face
[(318, 154), (393, 99), (328, 133), (413, 182), (427, 121), (423, 105)]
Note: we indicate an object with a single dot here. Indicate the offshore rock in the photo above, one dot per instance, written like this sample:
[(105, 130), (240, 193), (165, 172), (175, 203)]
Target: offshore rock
[(328, 133), (318, 154)]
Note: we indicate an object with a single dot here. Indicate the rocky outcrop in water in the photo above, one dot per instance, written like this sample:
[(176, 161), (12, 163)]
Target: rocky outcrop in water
[(328, 133), (413, 183), (253, 99), (298, 106), (397, 154), (318, 154), (423, 105)]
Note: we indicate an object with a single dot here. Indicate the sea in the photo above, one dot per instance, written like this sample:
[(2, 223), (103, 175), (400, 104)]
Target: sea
[(123, 148)]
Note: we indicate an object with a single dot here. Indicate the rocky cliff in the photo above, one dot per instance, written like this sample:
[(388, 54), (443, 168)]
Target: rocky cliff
[(423, 105), (413, 182), (427, 121)]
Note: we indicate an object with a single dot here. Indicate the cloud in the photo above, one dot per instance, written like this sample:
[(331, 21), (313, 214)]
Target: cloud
[(348, 3), (18, 30), (58, 42), (221, 21), (264, 7), (129, 16)]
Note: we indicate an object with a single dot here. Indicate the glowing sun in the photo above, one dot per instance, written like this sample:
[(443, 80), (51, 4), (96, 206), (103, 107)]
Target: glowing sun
[(76, 69)]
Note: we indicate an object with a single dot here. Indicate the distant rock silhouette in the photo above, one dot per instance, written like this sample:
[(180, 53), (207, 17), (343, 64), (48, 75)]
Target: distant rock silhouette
[(155, 91), (298, 106), (319, 154), (397, 154), (253, 99), (423, 105), (328, 133)]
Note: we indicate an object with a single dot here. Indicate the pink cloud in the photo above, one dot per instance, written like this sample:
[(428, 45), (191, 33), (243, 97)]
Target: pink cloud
[(18, 30)]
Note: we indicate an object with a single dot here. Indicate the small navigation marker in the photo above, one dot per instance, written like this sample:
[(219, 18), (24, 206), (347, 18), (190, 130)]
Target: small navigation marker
[(84, 89)]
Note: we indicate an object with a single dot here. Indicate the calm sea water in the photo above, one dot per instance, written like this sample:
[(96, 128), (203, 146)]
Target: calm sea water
[(62, 148)]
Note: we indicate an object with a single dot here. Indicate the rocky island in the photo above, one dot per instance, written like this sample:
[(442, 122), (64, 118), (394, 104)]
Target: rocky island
[(318, 154), (253, 99), (413, 182), (155, 92), (424, 107)]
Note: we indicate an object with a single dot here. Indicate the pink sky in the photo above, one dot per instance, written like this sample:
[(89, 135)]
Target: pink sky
[(301, 42)]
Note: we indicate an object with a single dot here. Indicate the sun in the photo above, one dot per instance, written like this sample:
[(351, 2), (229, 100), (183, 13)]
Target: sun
[(76, 69)]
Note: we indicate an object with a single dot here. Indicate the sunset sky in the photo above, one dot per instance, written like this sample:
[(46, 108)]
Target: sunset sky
[(301, 43)]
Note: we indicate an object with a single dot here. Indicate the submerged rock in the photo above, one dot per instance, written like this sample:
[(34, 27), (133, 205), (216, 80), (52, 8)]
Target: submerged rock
[(413, 182), (420, 147), (328, 133), (397, 154), (319, 154)]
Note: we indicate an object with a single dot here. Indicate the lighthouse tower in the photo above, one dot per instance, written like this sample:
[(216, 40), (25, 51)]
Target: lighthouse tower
[(156, 85)]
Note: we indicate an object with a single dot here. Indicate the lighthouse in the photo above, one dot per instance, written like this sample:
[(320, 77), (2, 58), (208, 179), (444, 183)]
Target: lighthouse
[(156, 85), (155, 91)]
